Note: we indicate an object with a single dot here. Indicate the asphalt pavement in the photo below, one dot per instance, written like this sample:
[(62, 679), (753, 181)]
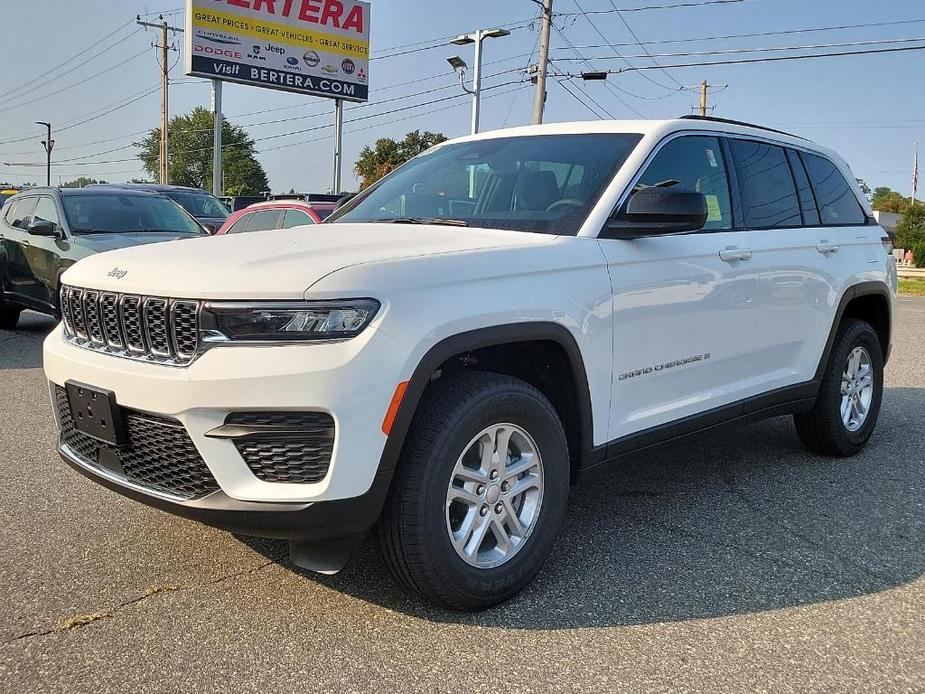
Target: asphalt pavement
[(731, 561)]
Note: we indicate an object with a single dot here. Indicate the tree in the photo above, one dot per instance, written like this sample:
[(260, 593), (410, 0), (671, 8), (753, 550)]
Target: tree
[(910, 233), (189, 155), (80, 182), (387, 154), (886, 199)]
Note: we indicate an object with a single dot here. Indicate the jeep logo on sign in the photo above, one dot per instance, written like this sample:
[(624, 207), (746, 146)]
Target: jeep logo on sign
[(117, 273)]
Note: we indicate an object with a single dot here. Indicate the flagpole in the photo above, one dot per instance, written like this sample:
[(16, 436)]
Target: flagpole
[(915, 175)]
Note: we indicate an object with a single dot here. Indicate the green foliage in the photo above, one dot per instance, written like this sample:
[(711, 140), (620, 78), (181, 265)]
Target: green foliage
[(910, 232), (189, 154), (80, 182), (387, 155), (887, 200)]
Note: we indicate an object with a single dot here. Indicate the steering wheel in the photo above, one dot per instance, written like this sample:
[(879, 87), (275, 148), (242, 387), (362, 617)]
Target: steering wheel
[(565, 202)]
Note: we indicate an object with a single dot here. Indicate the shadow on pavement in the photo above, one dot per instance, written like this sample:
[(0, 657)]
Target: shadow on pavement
[(728, 522), (22, 348)]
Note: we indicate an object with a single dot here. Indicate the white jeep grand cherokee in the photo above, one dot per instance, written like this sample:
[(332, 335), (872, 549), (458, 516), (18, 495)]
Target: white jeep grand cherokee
[(474, 332)]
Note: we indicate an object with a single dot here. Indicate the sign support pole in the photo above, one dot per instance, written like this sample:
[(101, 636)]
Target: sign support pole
[(217, 138), (338, 143)]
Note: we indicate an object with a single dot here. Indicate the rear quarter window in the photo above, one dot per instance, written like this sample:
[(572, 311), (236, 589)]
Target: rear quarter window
[(837, 202)]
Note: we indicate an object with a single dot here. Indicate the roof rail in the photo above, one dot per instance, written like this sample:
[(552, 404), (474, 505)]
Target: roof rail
[(729, 121)]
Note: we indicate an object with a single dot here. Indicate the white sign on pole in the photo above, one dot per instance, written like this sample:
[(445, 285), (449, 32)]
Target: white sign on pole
[(317, 47)]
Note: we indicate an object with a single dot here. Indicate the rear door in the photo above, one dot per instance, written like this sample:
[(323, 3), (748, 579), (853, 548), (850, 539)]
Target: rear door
[(683, 306)]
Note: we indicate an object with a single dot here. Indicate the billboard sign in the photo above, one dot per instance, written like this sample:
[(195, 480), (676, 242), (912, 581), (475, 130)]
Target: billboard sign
[(317, 47)]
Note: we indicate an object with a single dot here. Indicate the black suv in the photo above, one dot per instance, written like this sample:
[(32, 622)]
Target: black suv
[(43, 231), (206, 208)]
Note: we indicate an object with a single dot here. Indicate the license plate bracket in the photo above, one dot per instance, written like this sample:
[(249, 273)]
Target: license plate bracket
[(96, 413)]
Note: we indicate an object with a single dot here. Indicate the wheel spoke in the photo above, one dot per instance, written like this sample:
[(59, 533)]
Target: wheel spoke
[(510, 516), (502, 446), (465, 496), (467, 474), (489, 439), (522, 485), (502, 539), (525, 463), (480, 526), (845, 409)]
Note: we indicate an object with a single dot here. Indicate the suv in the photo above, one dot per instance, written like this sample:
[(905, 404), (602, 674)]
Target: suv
[(43, 231), (465, 338), (205, 207)]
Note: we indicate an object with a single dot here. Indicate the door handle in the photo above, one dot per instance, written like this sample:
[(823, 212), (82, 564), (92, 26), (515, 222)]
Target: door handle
[(24, 243), (826, 248), (732, 254)]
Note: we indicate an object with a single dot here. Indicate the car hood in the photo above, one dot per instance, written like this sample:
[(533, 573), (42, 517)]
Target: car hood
[(98, 243), (274, 264)]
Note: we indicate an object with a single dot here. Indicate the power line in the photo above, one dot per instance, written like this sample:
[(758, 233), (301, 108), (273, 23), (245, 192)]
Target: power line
[(767, 49), (783, 32), (641, 44), (772, 59), (674, 6), (75, 84), (74, 57)]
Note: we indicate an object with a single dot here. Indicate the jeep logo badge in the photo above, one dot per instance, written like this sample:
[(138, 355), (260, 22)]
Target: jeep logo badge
[(117, 273)]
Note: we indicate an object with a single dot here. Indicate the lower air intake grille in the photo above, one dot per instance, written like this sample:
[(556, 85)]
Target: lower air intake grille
[(160, 455), (292, 447)]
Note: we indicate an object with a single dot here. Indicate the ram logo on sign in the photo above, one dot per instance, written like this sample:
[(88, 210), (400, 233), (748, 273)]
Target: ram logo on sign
[(318, 47)]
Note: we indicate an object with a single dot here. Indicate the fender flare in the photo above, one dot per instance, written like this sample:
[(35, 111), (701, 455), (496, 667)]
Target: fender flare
[(851, 293), (478, 339)]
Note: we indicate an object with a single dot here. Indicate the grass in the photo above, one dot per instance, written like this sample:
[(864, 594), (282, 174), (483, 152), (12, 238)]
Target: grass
[(912, 287)]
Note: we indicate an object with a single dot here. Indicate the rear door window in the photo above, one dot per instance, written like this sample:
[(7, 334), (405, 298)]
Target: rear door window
[(837, 203), (264, 220), (693, 163), (769, 196)]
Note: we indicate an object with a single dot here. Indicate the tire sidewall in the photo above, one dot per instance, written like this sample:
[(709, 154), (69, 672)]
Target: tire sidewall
[(536, 417)]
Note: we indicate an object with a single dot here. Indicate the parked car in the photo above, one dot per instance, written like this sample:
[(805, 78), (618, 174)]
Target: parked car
[(473, 333), (205, 207), (278, 213), (43, 231), (6, 194)]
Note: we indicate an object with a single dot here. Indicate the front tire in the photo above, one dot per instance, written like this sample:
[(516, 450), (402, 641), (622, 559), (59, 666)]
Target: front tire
[(846, 410), (9, 315), (480, 491)]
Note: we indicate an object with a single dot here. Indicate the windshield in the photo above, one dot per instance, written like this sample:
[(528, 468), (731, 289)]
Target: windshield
[(546, 184), (119, 213), (199, 204)]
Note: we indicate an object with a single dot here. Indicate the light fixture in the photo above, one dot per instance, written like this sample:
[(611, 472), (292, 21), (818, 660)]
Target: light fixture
[(456, 62)]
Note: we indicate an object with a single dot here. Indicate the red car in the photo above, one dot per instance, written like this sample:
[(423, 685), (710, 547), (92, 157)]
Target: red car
[(276, 214)]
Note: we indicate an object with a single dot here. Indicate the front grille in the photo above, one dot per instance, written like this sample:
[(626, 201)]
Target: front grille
[(165, 331), (293, 447), (160, 456)]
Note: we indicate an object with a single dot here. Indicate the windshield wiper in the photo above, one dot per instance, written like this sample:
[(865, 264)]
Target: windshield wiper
[(93, 231), (426, 220)]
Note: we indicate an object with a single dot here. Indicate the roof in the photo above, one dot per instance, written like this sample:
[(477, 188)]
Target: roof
[(158, 187), (648, 128), (291, 202), (87, 190)]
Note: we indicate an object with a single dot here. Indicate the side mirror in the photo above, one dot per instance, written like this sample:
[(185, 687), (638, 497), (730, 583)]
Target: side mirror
[(655, 211), (42, 227)]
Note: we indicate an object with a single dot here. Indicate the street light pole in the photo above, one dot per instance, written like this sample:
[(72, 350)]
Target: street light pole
[(460, 66), (49, 145)]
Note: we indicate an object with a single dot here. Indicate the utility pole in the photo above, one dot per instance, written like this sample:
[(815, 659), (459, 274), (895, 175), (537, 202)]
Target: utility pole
[(49, 145), (539, 99), (703, 98), (165, 85)]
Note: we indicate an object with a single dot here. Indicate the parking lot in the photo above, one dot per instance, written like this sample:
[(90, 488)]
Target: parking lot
[(732, 561)]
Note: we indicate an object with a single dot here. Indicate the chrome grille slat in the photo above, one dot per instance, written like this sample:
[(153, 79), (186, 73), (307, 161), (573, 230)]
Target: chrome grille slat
[(92, 316), (144, 328)]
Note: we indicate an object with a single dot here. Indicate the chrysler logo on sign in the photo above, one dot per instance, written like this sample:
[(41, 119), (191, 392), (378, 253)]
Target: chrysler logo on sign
[(117, 273)]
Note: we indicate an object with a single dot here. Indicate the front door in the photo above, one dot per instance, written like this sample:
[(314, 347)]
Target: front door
[(684, 314)]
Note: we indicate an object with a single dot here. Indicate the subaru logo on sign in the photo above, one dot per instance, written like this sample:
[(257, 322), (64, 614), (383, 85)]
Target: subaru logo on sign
[(292, 61)]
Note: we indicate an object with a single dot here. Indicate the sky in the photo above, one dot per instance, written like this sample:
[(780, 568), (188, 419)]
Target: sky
[(869, 108)]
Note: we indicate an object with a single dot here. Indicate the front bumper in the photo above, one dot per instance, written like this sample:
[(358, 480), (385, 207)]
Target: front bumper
[(341, 380)]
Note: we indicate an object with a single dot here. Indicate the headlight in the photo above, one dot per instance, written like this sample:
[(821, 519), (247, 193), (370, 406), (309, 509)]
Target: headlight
[(286, 321)]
